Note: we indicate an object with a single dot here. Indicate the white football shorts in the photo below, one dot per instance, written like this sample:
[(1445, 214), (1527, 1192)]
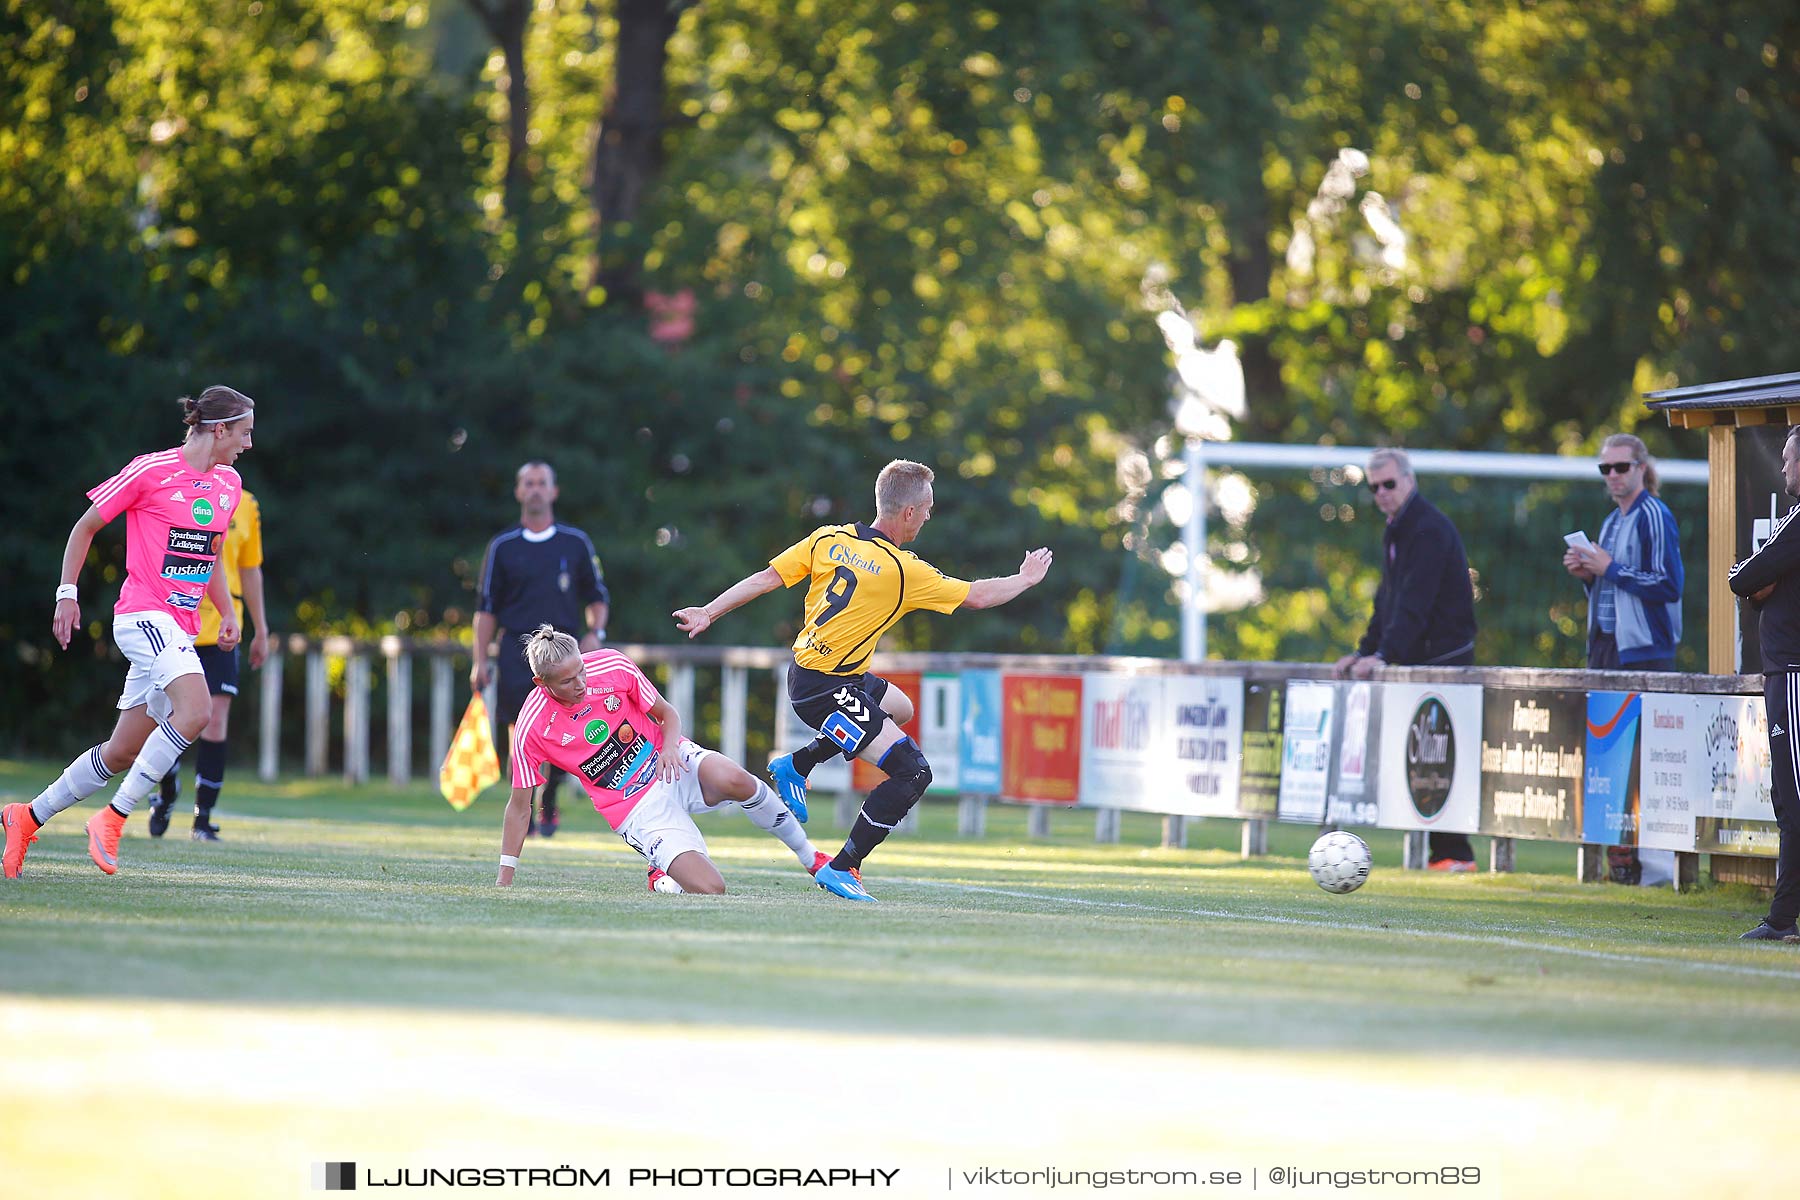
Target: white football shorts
[(660, 827), (160, 651)]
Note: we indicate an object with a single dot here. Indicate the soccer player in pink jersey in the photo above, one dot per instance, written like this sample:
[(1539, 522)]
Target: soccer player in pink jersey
[(177, 505), (598, 717)]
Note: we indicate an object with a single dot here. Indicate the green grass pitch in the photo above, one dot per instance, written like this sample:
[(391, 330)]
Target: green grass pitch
[(339, 980)]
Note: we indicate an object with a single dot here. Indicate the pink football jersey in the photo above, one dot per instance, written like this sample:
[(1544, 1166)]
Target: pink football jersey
[(175, 523), (609, 741)]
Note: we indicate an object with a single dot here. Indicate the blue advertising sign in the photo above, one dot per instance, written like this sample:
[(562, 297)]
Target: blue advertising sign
[(979, 757), (1609, 810)]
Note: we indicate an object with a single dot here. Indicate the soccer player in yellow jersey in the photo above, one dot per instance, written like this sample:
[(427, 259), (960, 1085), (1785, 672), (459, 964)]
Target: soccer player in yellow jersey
[(861, 582), (242, 558)]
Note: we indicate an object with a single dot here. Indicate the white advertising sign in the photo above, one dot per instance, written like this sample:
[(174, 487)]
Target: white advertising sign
[(1734, 745), (940, 721), (1356, 769), (1119, 716), (1673, 779), (1201, 750), (1306, 750), (1430, 761)]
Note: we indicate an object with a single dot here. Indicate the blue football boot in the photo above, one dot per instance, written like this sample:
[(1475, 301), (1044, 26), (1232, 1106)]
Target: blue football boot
[(841, 883), (790, 785)]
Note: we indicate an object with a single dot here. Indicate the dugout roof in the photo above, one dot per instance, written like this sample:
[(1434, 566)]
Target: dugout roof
[(1764, 400)]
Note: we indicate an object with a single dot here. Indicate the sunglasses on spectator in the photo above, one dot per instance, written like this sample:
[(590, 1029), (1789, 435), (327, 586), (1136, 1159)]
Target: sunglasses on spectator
[(1377, 485), (1616, 468)]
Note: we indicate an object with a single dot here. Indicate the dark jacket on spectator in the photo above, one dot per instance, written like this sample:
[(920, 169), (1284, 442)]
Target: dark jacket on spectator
[(1425, 607), (1776, 561)]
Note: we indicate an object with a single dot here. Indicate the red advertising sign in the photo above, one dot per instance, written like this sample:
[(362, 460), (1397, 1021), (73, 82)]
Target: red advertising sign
[(1041, 762), (864, 776)]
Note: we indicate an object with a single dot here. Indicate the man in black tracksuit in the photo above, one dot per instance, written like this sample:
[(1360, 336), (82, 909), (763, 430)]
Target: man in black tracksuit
[(1770, 579), (1425, 607)]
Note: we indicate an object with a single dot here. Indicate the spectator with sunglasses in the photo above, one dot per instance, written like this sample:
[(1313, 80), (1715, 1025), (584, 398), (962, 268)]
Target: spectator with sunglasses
[(1425, 607), (1633, 571), (1633, 576)]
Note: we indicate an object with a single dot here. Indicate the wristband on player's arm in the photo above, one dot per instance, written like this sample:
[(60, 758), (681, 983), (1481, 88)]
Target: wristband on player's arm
[(66, 591)]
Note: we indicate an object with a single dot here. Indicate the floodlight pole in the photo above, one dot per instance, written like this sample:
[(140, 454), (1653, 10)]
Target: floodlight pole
[(1193, 536)]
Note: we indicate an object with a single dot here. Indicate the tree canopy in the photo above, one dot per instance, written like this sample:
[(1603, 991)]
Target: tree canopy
[(719, 261)]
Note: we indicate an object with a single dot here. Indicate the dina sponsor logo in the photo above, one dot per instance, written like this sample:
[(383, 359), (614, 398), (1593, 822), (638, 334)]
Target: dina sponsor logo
[(596, 732), (203, 512), (1430, 757)]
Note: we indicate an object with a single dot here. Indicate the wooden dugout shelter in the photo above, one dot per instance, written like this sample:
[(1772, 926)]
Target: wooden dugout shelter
[(1745, 422), (1766, 404)]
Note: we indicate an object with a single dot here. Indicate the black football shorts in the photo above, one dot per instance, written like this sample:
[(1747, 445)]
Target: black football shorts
[(845, 708)]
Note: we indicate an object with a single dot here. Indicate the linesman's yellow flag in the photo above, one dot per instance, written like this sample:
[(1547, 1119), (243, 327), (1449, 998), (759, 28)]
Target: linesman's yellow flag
[(471, 764)]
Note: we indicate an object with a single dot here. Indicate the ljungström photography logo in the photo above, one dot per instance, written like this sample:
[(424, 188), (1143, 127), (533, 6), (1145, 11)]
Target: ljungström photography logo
[(334, 1177)]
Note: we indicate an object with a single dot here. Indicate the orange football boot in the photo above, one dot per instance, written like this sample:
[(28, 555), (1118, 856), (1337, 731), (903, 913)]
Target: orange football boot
[(103, 830), (21, 831)]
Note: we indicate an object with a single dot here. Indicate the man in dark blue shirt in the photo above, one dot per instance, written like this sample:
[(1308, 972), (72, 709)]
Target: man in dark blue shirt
[(537, 572), (1770, 580), (1424, 607)]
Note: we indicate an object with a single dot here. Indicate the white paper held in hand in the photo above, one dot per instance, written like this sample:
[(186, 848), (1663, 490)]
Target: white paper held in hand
[(1577, 540)]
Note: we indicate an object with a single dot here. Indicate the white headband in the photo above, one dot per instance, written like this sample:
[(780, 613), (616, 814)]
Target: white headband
[(225, 420)]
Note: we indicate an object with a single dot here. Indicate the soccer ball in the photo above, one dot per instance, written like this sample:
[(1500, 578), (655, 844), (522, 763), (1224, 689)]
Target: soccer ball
[(1339, 862)]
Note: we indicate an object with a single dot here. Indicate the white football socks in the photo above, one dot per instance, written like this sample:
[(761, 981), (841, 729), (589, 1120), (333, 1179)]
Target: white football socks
[(161, 749), (79, 780), (767, 811)]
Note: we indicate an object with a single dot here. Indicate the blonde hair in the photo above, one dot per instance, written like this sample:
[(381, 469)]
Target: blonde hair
[(901, 482), (1639, 454), (547, 646)]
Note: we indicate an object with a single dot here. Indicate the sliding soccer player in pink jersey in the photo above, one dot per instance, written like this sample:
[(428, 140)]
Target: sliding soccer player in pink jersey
[(599, 718), (177, 505)]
